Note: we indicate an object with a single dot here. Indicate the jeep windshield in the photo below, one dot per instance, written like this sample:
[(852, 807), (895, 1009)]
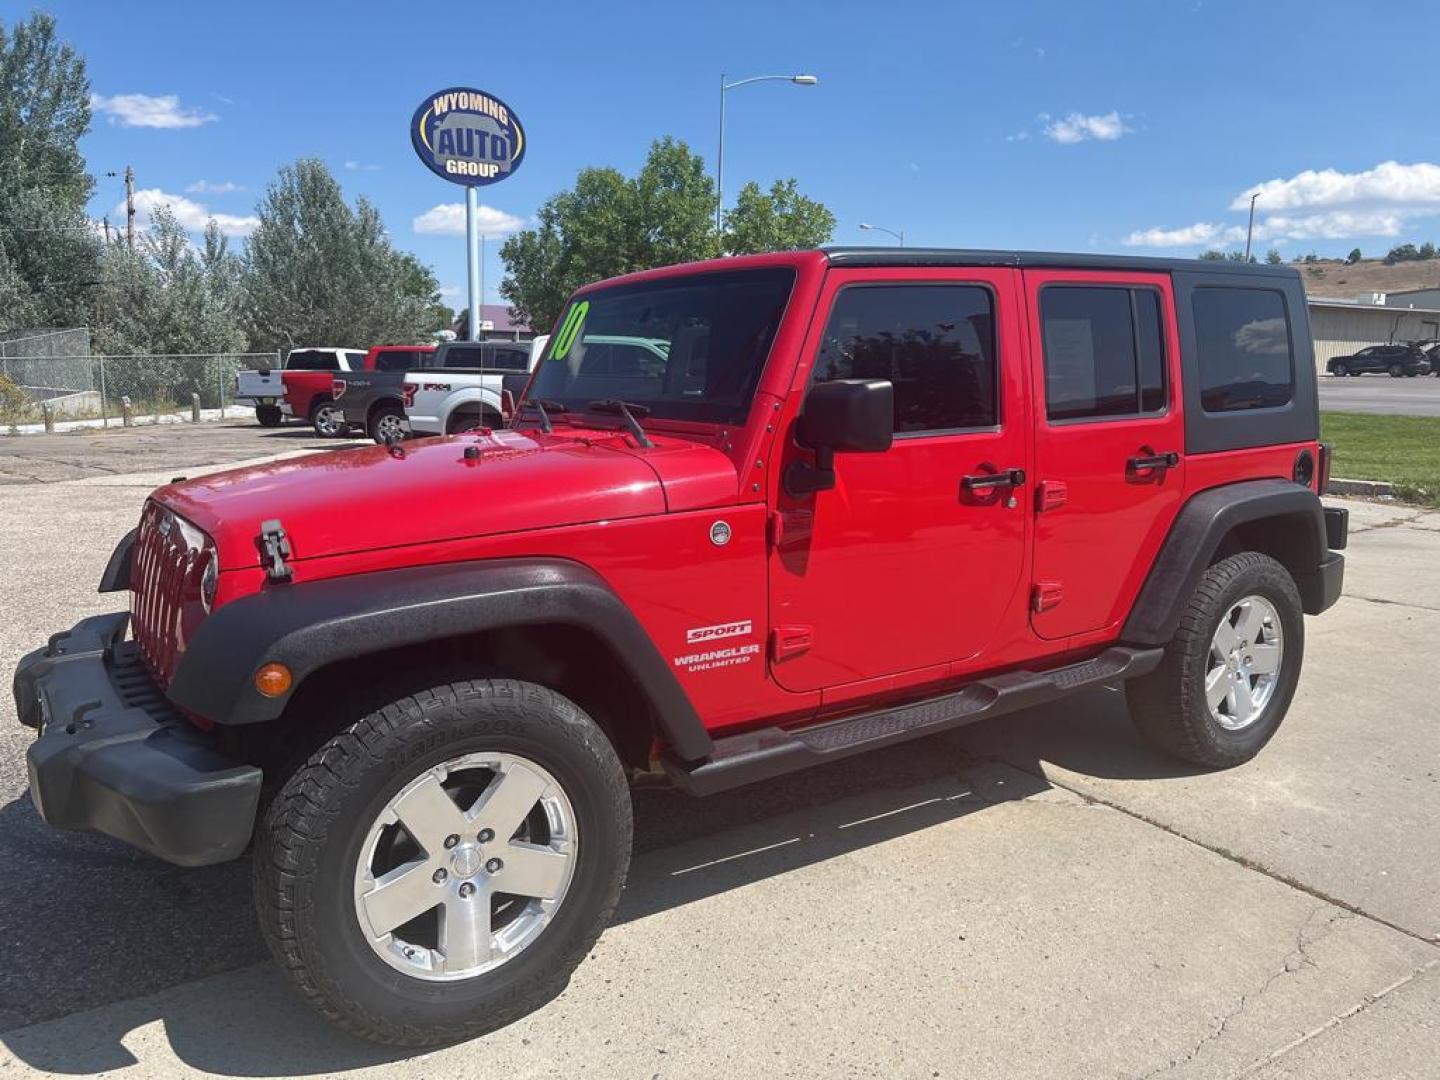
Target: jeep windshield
[(684, 348)]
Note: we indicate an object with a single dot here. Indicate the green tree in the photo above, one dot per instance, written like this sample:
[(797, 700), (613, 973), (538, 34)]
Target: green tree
[(1273, 257), (1354, 257), (48, 250), (321, 273), (610, 224), (1427, 251), (1401, 253), (783, 220)]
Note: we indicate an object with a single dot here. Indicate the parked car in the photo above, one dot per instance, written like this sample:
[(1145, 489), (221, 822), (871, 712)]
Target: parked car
[(270, 390), (1398, 360), (373, 399), (463, 387), (849, 498)]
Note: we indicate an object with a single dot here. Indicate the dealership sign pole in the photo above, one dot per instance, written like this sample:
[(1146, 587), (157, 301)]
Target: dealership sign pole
[(472, 138)]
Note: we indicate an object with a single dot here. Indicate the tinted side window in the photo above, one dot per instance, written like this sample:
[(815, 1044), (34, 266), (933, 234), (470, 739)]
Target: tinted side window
[(935, 343), (463, 356), (507, 359), (354, 361), (312, 360), (1245, 354), (396, 360), (1104, 351)]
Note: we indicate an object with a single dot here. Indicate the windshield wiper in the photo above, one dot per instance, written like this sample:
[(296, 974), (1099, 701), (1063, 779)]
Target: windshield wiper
[(629, 411), (539, 407)]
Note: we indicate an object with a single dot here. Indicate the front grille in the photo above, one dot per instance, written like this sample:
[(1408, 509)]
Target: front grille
[(163, 561)]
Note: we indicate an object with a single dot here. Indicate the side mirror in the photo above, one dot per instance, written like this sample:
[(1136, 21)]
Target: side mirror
[(854, 416)]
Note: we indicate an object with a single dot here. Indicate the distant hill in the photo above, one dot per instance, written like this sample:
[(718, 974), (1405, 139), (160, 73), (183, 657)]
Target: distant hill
[(1333, 279)]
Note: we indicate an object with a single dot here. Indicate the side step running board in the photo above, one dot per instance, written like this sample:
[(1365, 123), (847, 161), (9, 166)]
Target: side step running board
[(760, 755)]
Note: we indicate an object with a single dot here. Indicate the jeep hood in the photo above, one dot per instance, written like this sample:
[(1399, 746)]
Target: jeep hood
[(449, 488)]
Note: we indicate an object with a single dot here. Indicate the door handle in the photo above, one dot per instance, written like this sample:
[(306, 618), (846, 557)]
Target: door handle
[(987, 481), (1167, 460)]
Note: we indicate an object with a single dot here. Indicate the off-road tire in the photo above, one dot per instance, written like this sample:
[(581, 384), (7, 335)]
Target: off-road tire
[(308, 843), (1168, 705), (378, 414), (269, 415), (1340, 370)]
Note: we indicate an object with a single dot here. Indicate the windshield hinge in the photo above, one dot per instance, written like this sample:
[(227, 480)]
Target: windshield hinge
[(274, 548)]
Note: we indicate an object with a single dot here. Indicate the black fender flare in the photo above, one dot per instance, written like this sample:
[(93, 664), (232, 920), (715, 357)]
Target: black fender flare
[(1196, 534), (308, 625), (116, 577)]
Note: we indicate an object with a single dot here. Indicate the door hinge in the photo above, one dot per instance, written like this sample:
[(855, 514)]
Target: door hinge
[(274, 547), (1046, 595), (788, 641)]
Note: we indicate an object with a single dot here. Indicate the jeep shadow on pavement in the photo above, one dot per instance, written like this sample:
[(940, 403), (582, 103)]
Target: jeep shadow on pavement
[(838, 500)]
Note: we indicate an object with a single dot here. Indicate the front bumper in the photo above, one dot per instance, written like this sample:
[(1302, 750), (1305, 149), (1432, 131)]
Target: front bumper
[(114, 757)]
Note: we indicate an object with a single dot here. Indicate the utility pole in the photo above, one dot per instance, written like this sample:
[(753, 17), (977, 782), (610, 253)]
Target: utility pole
[(1249, 229), (106, 222), (129, 208)]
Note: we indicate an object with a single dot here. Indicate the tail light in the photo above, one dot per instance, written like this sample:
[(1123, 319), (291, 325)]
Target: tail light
[(407, 394), (507, 405), (337, 388), (1326, 453)]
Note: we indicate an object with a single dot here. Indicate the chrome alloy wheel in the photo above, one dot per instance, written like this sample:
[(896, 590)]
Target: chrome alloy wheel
[(389, 427), (329, 421), (1244, 668), (465, 866)]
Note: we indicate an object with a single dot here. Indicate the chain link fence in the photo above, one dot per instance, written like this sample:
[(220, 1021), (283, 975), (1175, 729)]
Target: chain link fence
[(85, 386)]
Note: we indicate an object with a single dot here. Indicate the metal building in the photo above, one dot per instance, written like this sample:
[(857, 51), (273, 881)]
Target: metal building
[(1341, 327)]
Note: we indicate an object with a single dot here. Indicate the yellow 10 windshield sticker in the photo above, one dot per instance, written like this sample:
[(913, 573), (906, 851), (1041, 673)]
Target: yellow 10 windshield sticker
[(570, 329)]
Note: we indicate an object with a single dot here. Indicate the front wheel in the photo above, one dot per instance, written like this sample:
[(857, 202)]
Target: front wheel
[(439, 869), (1230, 670), (1396, 371)]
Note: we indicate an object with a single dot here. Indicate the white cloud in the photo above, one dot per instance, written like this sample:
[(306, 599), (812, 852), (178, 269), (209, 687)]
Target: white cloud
[(214, 187), (448, 219), (1077, 127), (1385, 201), (142, 110), (451, 292), (191, 215), (361, 166), (1388, 184)]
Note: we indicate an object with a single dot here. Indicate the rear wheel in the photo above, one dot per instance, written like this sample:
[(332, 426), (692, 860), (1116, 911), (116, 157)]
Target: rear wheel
[(387, 423), (439, 869), (466, 419), (1231, 668), (1340, 370), (328, 419), (269, 415)]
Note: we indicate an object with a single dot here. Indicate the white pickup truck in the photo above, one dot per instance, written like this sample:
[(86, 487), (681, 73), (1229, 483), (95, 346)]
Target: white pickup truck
[(460, 388), (265, 387)]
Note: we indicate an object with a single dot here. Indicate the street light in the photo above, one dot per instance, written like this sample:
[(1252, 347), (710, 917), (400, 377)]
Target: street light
[(898, 234), (798, 80), (1251, 227)]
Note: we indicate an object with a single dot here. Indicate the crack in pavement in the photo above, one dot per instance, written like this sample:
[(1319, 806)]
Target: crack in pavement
[(1365, 1003), (1297, 959), (1391, 603)]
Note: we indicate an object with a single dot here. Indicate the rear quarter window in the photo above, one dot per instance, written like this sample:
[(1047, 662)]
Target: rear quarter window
[(312, 360), (1244, 347)]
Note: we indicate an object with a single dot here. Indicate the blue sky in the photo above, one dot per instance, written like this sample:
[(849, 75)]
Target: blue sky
[(1116, 127)]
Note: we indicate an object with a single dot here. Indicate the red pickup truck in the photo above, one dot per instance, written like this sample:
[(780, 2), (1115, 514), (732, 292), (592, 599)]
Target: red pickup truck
[(308, 390)]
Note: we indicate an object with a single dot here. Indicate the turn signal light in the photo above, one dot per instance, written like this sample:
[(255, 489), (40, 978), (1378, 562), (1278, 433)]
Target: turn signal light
[(272, 680)]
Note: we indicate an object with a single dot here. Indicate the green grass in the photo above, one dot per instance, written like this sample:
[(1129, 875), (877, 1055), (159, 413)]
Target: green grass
[(1402, 450)]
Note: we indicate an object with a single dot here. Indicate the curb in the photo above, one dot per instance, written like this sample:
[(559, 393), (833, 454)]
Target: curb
[(1373, 488)]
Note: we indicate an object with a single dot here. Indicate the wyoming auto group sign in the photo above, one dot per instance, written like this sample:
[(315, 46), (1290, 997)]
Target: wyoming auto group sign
[(468, 136)]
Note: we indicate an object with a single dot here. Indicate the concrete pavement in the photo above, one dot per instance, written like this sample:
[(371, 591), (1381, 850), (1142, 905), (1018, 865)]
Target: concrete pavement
[(1036, 896)]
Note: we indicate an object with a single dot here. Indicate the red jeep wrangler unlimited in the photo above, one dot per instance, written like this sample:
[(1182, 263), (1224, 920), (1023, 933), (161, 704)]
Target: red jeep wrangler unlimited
[(830, 501)]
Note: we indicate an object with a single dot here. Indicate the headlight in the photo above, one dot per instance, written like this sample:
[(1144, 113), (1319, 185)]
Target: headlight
[(209, 578)]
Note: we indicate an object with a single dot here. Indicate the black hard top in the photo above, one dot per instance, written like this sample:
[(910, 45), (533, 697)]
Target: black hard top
[(1054, 260)]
